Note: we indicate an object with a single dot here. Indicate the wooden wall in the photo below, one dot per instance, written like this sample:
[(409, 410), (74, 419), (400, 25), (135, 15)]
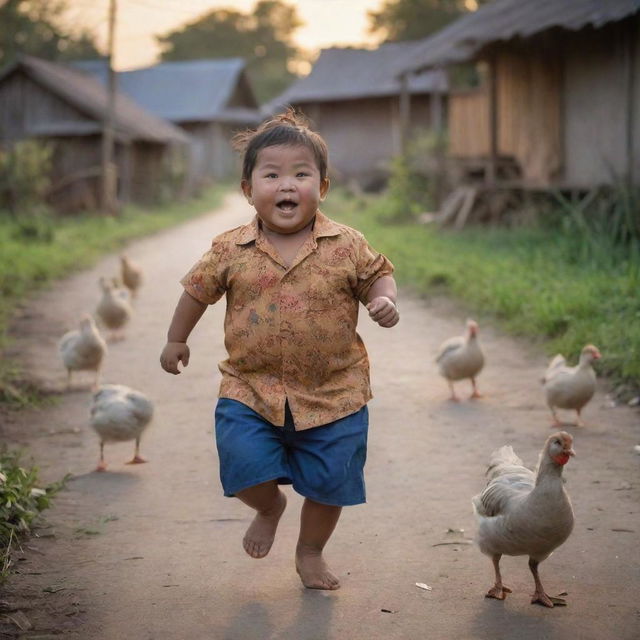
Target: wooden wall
[(600, 119), (364, 135)]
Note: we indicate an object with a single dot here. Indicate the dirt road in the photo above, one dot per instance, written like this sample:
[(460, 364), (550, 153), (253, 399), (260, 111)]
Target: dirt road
[(154, 551)]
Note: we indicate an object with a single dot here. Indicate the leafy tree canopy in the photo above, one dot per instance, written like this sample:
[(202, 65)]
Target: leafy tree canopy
[(263, 38), (414, 19), (35, 27)]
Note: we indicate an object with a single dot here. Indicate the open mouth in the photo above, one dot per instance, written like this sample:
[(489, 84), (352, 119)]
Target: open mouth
[(286, 205)]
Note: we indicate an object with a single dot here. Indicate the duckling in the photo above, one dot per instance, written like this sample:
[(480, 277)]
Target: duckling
[(113, 310), (131, 274), (118, 414), (83, 349)]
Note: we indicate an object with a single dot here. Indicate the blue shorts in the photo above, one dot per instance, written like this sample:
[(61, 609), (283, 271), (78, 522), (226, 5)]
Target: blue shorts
[(324, 464)]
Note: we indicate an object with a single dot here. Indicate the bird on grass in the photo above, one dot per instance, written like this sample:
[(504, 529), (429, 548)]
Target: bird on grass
[(570, 387), (83, 349), (521, 512), (460, 358), (119, 414)]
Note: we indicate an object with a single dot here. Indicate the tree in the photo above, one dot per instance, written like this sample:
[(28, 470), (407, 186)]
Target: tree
[(34, 27), (414, 19), (262, 38)]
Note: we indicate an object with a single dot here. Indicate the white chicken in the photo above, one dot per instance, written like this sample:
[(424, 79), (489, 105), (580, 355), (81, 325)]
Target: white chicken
[(83, 349), (131, 274), (113, 310), (570, 387), (118, 414), (525, 513), (461, 357)]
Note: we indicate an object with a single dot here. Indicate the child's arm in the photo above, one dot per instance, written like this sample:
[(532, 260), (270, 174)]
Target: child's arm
[(185, 317), (381, 302)]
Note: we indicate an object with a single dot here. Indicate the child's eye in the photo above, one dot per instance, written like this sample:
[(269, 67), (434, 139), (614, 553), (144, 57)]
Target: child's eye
[(301, 174), (271, 175)]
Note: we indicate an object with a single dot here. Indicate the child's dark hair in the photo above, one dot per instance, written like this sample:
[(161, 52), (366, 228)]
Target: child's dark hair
[(290, 128)]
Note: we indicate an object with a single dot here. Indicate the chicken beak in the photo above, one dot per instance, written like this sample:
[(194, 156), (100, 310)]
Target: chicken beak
[(571, 453)]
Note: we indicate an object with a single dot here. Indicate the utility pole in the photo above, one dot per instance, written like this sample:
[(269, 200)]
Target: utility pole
[(108, 166)]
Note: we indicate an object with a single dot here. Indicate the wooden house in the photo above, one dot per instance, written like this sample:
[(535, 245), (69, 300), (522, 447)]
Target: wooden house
[(560, 103), (66, 107), (355, 100), (209, 99)]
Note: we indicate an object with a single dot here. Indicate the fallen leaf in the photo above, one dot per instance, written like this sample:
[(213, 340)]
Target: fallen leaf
[(389, 610), (422, 585)]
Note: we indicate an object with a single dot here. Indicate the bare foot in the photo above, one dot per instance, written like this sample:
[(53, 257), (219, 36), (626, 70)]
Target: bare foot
[(313, 570), (259, 537)]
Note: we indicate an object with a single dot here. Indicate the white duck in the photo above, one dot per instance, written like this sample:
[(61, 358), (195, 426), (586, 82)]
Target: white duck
[(461, 357), (525, 513), (570, 387), (113, 310), (131, 274), (83, 349), (118, 414)]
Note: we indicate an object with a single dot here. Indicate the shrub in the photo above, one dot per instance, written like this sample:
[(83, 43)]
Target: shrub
[(24, 176), (21, 501)]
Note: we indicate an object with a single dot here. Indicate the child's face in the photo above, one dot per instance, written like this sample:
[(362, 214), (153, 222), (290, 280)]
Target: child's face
[(285, 188)]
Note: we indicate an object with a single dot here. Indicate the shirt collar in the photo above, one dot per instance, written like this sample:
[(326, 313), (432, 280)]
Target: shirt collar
[(323, 227)]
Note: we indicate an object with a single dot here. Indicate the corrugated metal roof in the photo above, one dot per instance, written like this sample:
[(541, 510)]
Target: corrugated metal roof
[(187, 91), (90, 97), (507, 19), (347, 74)]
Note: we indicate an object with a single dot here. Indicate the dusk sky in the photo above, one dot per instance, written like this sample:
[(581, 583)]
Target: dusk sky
[(327, 23)]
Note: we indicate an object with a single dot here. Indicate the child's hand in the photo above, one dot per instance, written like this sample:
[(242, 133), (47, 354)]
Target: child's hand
[(173, 353), (383, 311)]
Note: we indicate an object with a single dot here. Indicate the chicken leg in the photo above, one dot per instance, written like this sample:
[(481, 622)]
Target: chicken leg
[(137, 459), (540, 597), (498, 591)]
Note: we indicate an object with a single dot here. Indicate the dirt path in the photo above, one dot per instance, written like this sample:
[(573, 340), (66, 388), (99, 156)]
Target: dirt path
[(153, 551)]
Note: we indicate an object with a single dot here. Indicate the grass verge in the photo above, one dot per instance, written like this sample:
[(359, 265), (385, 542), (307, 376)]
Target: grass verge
[(36, 253), (21, 501), (535, 282)]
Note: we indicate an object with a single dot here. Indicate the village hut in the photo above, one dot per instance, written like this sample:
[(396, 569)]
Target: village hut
[(65, 107), (559, 106), (355, 100), (210, 99)]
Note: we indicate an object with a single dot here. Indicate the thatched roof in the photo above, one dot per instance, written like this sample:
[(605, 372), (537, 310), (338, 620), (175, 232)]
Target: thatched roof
[(349, 74), (188, 90), (89, 97), (503, 20)]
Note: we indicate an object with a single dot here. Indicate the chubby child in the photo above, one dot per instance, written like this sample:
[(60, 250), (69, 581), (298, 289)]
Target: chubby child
[(292, 406)]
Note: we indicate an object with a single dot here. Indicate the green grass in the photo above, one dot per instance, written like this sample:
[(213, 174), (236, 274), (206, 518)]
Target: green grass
[(22, 498), (34, 253), (532, 281)]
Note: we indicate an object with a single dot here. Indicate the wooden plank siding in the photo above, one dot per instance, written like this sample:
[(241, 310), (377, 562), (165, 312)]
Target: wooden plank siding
[(529, 116), (469, 124)]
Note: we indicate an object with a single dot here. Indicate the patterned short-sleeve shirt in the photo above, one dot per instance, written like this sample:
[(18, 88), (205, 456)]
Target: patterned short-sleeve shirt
[(290, 332)]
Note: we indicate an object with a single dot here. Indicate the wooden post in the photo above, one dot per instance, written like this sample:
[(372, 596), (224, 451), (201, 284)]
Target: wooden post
[(437, 127), (630, 100), (405, 112), (493, 120), (108, 168)]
